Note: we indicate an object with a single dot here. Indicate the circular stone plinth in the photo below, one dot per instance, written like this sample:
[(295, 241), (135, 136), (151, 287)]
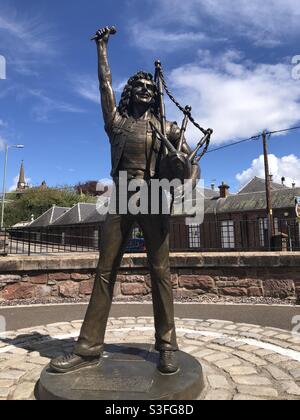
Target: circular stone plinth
[(126, 372)]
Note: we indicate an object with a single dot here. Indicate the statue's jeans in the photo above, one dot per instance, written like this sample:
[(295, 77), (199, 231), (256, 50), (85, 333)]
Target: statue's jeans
[(116, 232)]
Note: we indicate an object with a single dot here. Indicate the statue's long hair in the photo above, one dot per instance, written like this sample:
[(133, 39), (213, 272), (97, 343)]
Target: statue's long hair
[(125, 105)]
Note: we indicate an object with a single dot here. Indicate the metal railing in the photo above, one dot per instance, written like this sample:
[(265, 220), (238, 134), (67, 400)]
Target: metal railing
[(214, 236)]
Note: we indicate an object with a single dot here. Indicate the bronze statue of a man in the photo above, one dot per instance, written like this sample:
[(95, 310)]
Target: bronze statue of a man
[(136, 150)]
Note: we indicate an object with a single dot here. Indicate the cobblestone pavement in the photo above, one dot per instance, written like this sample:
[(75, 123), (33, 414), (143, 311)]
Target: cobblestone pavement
[(240, 361)]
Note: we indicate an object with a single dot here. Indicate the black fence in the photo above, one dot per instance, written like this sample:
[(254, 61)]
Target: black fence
[(225, 236)]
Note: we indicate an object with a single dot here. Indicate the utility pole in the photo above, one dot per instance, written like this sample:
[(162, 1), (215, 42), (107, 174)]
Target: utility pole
[(271, 228)]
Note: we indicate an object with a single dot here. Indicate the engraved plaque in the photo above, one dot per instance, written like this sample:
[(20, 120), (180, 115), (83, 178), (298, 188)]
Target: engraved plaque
[(138, 384)]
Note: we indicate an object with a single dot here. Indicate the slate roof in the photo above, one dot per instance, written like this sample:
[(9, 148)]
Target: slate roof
[(209, 193), (77, 214), (95, 217), (259, 185), (281, 199), (49, 217)]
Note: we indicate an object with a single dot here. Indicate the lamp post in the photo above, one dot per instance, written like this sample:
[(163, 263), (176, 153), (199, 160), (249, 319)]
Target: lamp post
[(18, 146)]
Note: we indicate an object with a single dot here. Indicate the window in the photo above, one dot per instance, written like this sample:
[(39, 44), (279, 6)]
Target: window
[(276, 226), (263, 231), (227, 234), (194, 236)]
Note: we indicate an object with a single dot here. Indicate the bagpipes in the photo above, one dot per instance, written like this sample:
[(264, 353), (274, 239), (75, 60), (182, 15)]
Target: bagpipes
[(175, 163)]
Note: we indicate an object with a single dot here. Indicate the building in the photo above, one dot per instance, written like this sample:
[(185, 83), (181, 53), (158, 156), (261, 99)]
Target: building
[(239, 221), (232, 222)]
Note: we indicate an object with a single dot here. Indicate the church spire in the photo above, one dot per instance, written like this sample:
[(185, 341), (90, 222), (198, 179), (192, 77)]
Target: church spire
[(21, 183)]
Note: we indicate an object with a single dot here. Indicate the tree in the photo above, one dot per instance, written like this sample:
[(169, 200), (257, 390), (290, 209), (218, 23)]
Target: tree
[(36, 201)]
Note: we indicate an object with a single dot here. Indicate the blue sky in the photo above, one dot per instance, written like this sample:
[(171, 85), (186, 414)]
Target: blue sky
[(229, 59)]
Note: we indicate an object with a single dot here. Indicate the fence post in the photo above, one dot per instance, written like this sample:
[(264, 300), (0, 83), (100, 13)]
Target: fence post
[(29, 243)]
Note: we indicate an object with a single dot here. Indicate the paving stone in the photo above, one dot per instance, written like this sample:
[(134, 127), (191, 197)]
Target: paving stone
[(205, 352), (247, 347), (218, 382), (295, 339), (262, 353), (290, 365), (227, 363), (241, 370), (217, 347), (242, 397), (291, 388), (295, 373), (216, 357), (6, 383), (251, 380), (11, 374), (277, 373), (232, 327), (285, 337), (23, 391), (4, 393), (276, 358), (218, 395), (234, 344), (268, 333), (250, 358), (258, 391), (190, 349)]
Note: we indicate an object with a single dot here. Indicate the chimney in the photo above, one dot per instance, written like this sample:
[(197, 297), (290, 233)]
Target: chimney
[(271, 178), (213, 186), (224, 190), (283, 180)]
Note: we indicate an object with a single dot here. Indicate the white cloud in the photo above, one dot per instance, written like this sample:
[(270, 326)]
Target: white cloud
[(287, 166), (236, 98), (27, 40), (87, 87), (30, 31), (155, 39), (15, 183), (267, 23), (47, 105)]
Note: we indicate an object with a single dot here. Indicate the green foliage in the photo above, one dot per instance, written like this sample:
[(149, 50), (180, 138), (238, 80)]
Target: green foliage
[(36, 201)]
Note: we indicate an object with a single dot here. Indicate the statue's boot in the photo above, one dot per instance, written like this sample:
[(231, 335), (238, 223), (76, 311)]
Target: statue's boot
[(72, 362), (168, 362)]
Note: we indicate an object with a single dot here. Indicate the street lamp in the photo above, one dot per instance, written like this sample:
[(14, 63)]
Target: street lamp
[(17, 146)]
